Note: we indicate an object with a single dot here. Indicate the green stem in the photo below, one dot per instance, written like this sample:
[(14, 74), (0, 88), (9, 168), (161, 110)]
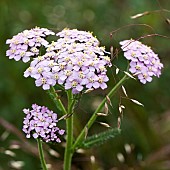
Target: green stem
[(69, 130), (56, 100), (41, 154), (94, 116)]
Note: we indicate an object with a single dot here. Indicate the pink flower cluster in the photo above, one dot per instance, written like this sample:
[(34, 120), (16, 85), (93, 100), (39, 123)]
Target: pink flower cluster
[(144, 63), (75, 61), (27, 43), (40, 122)]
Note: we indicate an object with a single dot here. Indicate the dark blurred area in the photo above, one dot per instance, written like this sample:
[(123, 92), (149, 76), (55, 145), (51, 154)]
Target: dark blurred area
[(145, 139)]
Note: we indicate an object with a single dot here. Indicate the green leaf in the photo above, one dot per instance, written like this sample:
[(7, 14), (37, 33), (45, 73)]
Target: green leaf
[(100, 138)]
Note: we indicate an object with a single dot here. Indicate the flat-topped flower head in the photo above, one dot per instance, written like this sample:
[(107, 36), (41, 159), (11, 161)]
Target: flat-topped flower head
[(75, 61), (144, 63), (27, 43), (40, 122), (79, 36)]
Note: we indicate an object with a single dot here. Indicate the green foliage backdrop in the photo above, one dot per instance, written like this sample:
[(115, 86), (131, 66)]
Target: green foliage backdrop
[(145, 129)]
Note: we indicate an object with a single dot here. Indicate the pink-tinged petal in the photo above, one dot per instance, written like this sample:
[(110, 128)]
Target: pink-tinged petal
[(63, 77), (36, 76), (28, 136), (46, 86), (79, 88), (68, 86), (103, 85), (140, 76), (8, 52), (24, 47), (143, 81), (29, 53), (60, 81), (56, 68), (11, 56), (149, 79), (96, 85), (133, 64), (58, 140), (92, 69), (74, 91), (45, 43), (8, 41), (17, 57), (84, 81), (26, 74), (35, 135), (31, 43), (89, 85), (76, 68), (38, 82), (25, 59), (132, 69), (52, 82)]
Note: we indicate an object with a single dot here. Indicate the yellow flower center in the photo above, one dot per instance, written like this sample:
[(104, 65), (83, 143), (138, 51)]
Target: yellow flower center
[(43, 80), (40, 58), (138, 67), (92, 63), (91, 80), (39, 39), (80, 63), (102, 68), (100, 80), (30, 69), (61, 66), (133, 54), (13, 51), (68, 72), (26, 42), (56, 76), (34, 49), (67, 58), (81, 75), (107, 58), (145, 57), (74, 84), (39, 70), (51, 64), (22, 53), (145, 75), (16, 42)]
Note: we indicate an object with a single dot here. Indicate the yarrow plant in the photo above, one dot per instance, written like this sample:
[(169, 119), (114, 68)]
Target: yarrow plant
[(75, 63)]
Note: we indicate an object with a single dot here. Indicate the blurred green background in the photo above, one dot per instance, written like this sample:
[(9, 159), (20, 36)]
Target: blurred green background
[(145, 139)]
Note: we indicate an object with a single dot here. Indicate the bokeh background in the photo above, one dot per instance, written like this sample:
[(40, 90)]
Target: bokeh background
[(145, 139)]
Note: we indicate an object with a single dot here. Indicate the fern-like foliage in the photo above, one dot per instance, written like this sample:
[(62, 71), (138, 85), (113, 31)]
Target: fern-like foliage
[(100, 138)]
